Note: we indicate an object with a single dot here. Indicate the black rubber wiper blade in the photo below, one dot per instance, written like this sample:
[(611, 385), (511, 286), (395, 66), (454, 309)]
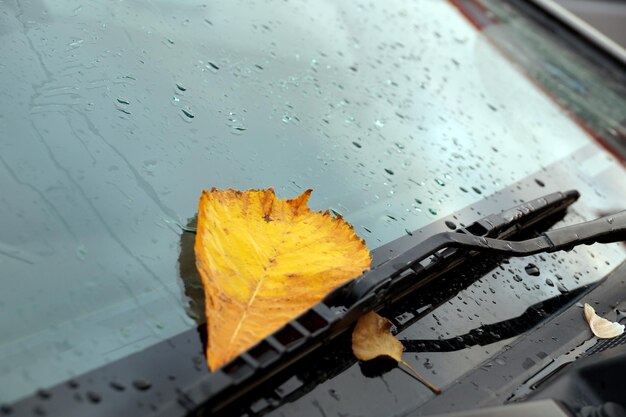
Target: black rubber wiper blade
[(376, 288)]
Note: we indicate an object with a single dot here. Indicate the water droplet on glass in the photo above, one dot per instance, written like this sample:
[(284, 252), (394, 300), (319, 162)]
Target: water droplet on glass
[(73, 384), (428, 364), (517, 278), (333, 393), (44, 394), (408, 232), (235, 122), (432, 211), (549, 282), (379, 123), (450, 225), (562, 289), (532, 269), (123, 101), (477, 190), (142, 384), (181, 87), (357, 144), (81, 252), (500, 361), (439, 182), (540, 183), (187, 113), (117, 386), (94, 397), (388, 171)]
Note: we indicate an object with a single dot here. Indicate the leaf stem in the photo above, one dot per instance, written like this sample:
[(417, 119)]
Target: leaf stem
[(421, 378)]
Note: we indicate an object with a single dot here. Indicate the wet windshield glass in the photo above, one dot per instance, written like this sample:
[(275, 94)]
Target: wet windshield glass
[(115, 115)]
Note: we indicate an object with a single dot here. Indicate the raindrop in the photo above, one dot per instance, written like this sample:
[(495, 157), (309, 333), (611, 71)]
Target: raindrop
[(181, 87), (212, 65), (517, 278), (379, 123), (388, 171), (562, 289), (439, 182), (432, 211), (500, 361), (408, 232), (94, 397), (336, 213), (532, 269), (236, 123), (73, 384), (117, 386), (540, 183), (81, 252), (463, 189), (142, 384), (123, 101), (450, 225), (44, 394), (428, 364), (357, 144), (477, 190), (187, 113), (549, 282)]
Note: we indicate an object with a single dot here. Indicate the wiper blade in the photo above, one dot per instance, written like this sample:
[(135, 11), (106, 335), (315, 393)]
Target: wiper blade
[(392, 280)]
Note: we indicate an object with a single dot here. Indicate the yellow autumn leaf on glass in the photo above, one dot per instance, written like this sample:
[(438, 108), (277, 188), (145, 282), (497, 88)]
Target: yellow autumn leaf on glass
[(263, 261)]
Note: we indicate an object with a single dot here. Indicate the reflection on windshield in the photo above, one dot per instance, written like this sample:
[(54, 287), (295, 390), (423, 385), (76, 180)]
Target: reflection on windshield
[(115, 116)]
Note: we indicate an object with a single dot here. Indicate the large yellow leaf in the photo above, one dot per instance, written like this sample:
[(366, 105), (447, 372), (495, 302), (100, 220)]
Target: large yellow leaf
[(263, 261)]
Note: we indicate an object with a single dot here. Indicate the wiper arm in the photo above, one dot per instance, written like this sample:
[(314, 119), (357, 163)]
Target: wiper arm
[(392, 280)]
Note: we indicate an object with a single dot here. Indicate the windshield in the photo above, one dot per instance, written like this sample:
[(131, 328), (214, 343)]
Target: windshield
[(115, 115)]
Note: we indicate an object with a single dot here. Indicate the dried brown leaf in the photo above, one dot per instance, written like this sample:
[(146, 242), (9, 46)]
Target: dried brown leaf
[(601, 327), (372, 339)]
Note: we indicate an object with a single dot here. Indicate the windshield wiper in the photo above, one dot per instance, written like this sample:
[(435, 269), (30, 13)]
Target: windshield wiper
[(395, 279)]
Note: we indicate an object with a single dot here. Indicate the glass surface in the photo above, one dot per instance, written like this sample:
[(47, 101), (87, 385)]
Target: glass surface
[(115, 115)]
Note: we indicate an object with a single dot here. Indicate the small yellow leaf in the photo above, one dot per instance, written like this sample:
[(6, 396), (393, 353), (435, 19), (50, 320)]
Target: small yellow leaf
[(372, 339), (601, 327), (263, 261)]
